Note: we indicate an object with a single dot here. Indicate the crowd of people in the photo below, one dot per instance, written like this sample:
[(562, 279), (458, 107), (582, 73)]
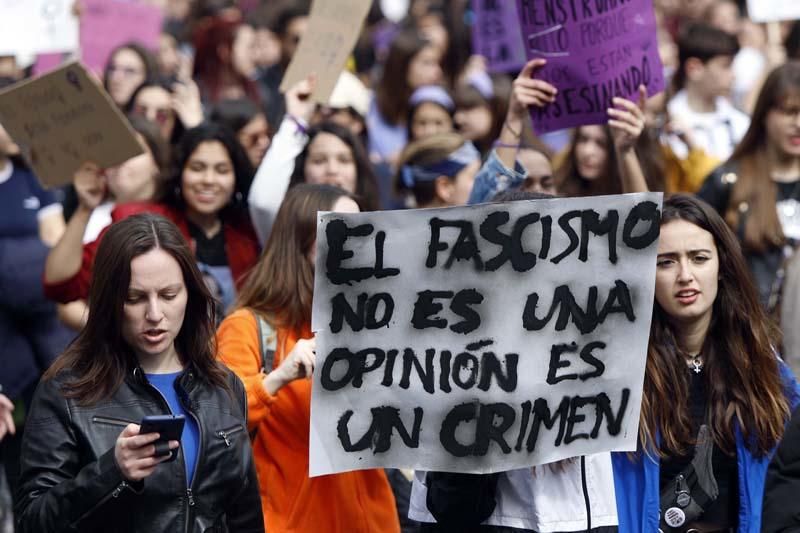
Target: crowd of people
[(181, 281)]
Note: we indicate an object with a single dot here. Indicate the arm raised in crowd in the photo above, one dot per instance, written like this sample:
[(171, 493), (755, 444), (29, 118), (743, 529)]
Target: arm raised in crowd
[(66, 258), (272, 177), (501, 164), (627, 124)]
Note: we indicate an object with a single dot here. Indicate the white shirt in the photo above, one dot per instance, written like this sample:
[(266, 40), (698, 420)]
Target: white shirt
[(550, 500), (717, 133)]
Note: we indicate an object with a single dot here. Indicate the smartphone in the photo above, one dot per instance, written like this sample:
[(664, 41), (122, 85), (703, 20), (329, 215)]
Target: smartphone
[(168, 427)]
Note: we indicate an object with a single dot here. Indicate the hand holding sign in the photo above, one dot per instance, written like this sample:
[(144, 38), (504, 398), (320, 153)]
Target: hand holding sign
[(627, 121), (528, 91), (298, 98), (90, 186), (298, 364)]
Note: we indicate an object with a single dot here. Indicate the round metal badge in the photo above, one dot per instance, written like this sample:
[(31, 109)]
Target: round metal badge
[(674, 517)]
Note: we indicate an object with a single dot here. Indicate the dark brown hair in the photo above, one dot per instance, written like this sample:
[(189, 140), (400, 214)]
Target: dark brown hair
[(281, 285), (393, 91), (741, 372), (570, 183), (467, 96), (754, 185), (702, 41), (98, 360), (366, 183)]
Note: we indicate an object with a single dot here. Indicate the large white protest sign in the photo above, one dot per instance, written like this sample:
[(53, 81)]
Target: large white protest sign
[(37, 26), (773, 10), (483, 338)]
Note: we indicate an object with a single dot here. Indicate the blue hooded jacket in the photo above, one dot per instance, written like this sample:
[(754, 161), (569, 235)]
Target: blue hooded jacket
[(636, 480)]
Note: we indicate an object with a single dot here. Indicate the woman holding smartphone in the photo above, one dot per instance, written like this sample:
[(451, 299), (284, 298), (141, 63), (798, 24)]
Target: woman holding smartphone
[(147, 349)]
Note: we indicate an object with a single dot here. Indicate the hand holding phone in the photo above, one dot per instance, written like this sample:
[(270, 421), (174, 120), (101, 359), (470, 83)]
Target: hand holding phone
[(140, 448)]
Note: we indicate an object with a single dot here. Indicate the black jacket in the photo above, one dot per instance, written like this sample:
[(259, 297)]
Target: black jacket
[(70, 480), (716, 191), (781, 510)]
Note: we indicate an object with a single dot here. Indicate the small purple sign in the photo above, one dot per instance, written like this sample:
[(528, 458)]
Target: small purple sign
[(595, 50), (496, 35)]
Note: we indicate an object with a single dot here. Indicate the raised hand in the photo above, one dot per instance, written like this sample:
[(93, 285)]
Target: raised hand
[(298, 98), (627, 121), (90, 186), (186, 103)]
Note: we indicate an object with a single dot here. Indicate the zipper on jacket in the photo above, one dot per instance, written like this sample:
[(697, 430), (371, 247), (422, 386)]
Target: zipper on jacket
[(110, 421), (586, 494), (189, 494), (190, 489), (226, 434), (113, 494)]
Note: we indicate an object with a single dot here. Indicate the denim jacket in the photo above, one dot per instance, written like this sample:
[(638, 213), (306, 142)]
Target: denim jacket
[(494, 177)]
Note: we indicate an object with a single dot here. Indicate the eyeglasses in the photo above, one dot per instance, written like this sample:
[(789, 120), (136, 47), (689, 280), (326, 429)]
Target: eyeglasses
[(160, 115)]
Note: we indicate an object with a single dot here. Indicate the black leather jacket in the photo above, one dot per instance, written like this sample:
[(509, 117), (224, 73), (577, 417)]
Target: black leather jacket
[(70, 480)]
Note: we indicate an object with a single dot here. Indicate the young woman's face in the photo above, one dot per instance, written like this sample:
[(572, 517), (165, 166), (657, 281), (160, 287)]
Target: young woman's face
[(155, 104), (687, 272), (424, 68), (126, 72), (254, 138), (474, 122), (591, 152), (244, 51), (208, 180), (155, 305), (135, 180), (783, 128), (458, 188), (331, 161), (540, 172), (169, 58), (430, 119)]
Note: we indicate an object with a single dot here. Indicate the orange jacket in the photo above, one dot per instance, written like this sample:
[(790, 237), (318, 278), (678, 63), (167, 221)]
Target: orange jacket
[(353, 502)]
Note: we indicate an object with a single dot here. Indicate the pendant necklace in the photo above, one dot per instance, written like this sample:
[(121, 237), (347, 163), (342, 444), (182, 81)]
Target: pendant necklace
[(696, 364)]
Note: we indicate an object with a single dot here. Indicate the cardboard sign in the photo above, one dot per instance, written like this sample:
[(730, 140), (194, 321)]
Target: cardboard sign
[(772, 10), (37, 27), (595, 51), (496, 34), (63, 119), (333, 28), (483, 338), (106, 24)]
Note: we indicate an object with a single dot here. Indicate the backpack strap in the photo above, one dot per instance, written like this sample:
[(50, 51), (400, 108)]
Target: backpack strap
[(267, 342)]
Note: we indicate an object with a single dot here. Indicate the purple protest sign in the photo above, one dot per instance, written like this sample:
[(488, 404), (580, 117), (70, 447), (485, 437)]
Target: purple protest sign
[(106, 24), (595, 50), (496, 35)]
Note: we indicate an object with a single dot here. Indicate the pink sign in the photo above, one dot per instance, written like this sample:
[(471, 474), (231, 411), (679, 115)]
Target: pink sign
[(106, 24)]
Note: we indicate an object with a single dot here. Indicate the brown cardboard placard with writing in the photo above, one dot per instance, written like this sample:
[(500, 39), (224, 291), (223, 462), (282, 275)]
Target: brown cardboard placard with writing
[(63, 119), (333, 28)]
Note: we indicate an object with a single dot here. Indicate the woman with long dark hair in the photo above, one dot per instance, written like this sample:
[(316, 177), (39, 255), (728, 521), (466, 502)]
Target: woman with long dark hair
[(128, 66), (147, 349), (326, 153), (412, 62), (268, 342), (206, 200), (758, 190), (716, 396)]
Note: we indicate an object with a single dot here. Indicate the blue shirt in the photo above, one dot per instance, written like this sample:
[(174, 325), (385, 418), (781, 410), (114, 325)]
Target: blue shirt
[(190, 439), (21, 199)]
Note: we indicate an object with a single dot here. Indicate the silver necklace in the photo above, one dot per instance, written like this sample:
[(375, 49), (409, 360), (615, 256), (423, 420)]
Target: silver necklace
[(696, 363)]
